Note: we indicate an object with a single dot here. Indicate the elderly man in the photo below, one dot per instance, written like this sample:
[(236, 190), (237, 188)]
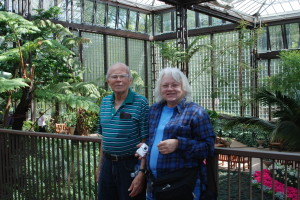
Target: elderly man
[(123, 124)]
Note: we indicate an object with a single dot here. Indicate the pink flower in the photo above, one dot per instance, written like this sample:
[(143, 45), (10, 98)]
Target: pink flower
[(292, 192)]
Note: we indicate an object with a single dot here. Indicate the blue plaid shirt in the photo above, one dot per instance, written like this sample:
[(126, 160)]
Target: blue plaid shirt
[(190, 124)]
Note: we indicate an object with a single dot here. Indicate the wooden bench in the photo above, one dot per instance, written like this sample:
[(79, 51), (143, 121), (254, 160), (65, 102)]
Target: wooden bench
[(235, 161), (278, 144), (62, 128)]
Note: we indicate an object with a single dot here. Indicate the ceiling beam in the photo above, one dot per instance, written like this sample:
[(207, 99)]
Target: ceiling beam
[(228, 15), (104, 30), (184, 2), (197, 32)]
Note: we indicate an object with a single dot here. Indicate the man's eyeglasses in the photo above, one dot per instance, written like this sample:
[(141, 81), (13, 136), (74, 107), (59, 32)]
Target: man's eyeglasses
[(120, 76)]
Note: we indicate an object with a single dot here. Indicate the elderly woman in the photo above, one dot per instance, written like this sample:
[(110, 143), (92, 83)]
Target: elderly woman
[(180, 138)]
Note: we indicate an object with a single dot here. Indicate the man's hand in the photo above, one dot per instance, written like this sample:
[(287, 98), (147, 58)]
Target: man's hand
[(137, 184), (167, 146)]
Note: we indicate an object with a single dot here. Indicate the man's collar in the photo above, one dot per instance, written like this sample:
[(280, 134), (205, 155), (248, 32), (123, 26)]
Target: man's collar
[(129, 98)]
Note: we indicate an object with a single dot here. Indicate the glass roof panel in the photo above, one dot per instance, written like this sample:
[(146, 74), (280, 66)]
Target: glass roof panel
[(267, 9)]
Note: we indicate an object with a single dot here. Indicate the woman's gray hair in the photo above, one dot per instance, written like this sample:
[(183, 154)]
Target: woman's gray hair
[(120, 65), (179, 77)]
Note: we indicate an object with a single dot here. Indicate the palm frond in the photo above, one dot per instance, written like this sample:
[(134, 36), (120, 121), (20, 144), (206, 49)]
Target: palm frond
[(247, 121), (288, 132), (288, 107)]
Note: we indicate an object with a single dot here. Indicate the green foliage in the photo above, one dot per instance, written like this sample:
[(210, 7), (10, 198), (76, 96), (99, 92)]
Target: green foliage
[(69, 118), (287, 81), (29, 126), (11, 84), (175, 54), (52, 13), (137, 81)]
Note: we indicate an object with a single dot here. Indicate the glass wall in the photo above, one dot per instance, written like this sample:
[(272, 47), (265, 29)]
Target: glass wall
[(220, 76), (200, 74), (93, 59)]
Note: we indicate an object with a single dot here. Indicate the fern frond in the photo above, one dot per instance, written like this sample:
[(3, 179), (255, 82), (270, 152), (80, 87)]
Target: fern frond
[(74, 101), (86, 89), (11, 84)]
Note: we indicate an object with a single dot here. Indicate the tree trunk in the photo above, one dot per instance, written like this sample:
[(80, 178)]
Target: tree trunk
[(22, 108), (6, 121)]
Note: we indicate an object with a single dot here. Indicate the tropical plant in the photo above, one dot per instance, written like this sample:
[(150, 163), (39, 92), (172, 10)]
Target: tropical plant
[(287, 80), (286, 114), (82, 100), (43, 55)]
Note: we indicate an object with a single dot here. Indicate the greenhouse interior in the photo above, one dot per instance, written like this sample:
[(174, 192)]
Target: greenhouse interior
[(241, 58)]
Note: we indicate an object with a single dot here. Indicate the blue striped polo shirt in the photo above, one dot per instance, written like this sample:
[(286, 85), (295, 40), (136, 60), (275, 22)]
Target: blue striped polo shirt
[(124, 128)]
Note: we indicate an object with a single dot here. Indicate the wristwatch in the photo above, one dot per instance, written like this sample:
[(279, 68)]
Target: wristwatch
[(143, 170)]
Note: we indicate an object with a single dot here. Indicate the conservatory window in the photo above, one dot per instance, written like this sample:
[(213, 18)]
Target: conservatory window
[(167, 22), (292, 34), (76, 18), (158, 20), (122, 19), (191, 19), (111, 17), (88, 12), (276, 38), (262, 42), (142, 22), (203, 20), (100, 14), (132, 20)]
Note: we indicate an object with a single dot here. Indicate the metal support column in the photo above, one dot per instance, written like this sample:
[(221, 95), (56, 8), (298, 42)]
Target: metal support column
[(182, 33)]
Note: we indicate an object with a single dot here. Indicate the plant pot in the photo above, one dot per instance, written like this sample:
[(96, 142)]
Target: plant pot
[(72, 130), (260, 143), (268, 163), (227, 143)]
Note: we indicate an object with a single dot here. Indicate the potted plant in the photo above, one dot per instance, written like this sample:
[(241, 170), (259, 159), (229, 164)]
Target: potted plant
[(71, 121)]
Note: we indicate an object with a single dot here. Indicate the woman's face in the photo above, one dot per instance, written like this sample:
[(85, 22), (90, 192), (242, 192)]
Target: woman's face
[(171, 91)]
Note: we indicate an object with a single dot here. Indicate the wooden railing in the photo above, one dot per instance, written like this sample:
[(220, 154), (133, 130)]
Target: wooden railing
[(47, 166), (57, 166)]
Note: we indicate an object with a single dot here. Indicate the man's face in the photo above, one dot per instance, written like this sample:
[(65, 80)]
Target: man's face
[(118, 79)]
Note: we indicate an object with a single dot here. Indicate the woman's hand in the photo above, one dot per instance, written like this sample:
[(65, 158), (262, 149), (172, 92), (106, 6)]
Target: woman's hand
[(167, 146)]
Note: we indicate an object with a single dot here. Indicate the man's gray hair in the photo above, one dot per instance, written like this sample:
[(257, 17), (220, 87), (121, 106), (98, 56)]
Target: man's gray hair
[(120, 65), (179, 77)]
